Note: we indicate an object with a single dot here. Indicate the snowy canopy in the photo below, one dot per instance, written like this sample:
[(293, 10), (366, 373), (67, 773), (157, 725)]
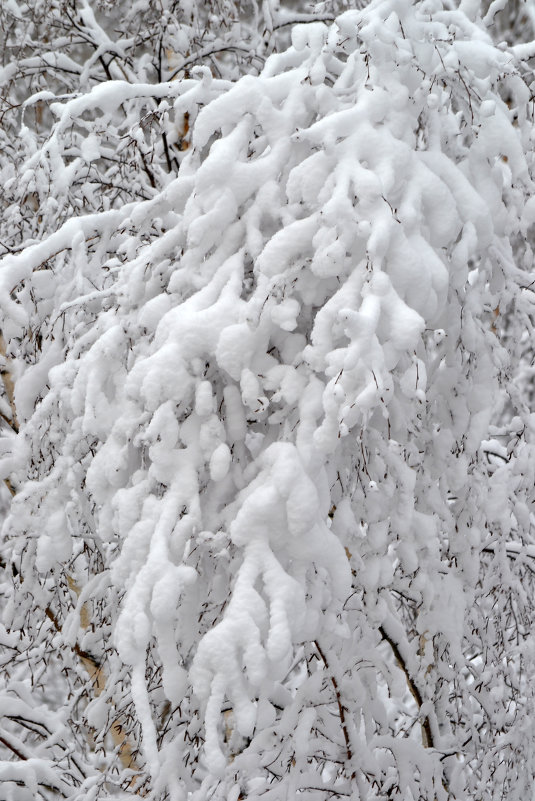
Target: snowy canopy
[(269, 432)]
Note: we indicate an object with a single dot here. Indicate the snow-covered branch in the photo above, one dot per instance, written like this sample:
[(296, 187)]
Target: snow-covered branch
[(266, 403)]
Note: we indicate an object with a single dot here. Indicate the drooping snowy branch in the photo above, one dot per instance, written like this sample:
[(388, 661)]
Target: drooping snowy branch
[(255, 506)]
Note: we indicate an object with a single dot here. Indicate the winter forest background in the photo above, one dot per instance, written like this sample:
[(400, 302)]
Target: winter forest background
[(267, 431)]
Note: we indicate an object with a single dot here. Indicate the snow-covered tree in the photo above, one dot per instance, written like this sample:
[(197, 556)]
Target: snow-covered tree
[(266, 312)]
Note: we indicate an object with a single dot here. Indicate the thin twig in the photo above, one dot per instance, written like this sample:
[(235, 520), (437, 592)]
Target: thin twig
[(341, 708)]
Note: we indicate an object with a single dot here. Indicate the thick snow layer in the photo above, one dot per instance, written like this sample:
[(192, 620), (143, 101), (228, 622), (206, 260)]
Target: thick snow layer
[(255, 435)]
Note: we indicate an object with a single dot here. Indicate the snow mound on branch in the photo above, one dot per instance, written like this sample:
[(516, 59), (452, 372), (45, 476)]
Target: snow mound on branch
[(299, 308)]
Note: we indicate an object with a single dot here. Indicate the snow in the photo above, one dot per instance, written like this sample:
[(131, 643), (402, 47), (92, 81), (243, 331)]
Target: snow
[(256, 472), (220, 462)]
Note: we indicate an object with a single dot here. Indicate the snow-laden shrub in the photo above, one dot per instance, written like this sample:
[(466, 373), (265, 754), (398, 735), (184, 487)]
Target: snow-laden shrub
[(272, 477)]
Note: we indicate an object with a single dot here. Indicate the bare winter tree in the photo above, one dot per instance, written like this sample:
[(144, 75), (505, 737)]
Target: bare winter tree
[(266, 302)]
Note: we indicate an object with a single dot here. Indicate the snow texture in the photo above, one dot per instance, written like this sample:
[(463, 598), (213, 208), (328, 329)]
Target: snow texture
[(272, 467)]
